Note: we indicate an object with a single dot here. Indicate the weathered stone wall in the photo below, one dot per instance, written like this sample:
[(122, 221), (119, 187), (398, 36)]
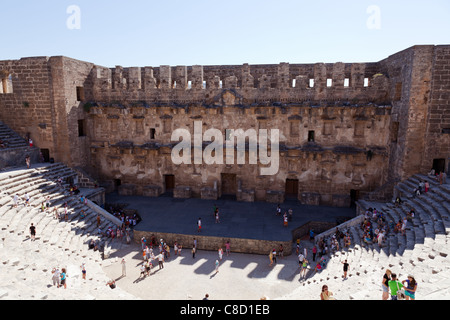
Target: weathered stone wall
[(373, 122), (334, 163), (240, 245), (437, 137), (29, 108)]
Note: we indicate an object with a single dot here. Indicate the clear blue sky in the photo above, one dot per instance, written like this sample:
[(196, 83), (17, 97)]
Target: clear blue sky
[(209, 32)]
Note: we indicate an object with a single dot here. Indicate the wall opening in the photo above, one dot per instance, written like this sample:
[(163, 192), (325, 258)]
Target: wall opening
[(152, 133), (398, 91), (169, 182), (6, 85), (81, 128), (346, 82), (394, 131), (291, 188), (45, 154), (366, 82), (311, 136), (439, 165), (80, 93)]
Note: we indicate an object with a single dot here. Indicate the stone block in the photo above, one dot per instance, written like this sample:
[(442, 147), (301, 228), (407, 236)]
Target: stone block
[(209, 193), (151, 191), (245, 195), (182, 192), (310, 198), (126, 189), (274, 196)]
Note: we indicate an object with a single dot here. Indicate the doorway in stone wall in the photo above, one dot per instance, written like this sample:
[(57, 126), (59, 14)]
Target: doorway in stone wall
[(229, 185), (45, 155), (169, 182), (291, 188), (439, 165), (354, 196)]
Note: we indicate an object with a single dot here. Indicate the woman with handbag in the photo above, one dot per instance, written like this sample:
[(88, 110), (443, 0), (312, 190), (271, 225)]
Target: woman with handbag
[(410, 288)]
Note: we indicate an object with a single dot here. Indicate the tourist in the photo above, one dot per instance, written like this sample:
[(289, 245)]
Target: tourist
[(199, 225), (410, 215), (318, 267), (66, 213), (47, 203), (143, 271), (83, 271), (314, 252), (227, 247), (285, 220), (290, 214), (98, 220), (385, 284), (278, 211), (175, 248), (147, 267), (410, 288), (111, 284), (325, 294), (301, 257), (143, 240), (193, 252), (274, 255), (403, 227), (280, 251), (63, 278), (346, 266), (304, 268), (56, 213), (220, 254), (394, 286), (398, 202), (217, 217), (217, 265), (56, 277), (380, 238), (271, 258), (124, 268), (16, 200), (28, 162), (311, 235), (27, 199), (32, 232), (427, 186)]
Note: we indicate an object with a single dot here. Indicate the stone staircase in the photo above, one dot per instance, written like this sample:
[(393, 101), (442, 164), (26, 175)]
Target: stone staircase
[(26, 265), (422, 251), (14, 149), (10, 138)]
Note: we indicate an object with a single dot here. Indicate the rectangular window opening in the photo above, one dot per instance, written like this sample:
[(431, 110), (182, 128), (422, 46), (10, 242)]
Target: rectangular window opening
[(152, 133), (346, 82), (311, 136), (311, 83), (81, 128), (80, 93), (366, 82), (329, 82)]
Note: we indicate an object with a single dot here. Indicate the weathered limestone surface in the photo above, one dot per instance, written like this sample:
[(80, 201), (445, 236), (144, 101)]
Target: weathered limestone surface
[(346, 129)]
